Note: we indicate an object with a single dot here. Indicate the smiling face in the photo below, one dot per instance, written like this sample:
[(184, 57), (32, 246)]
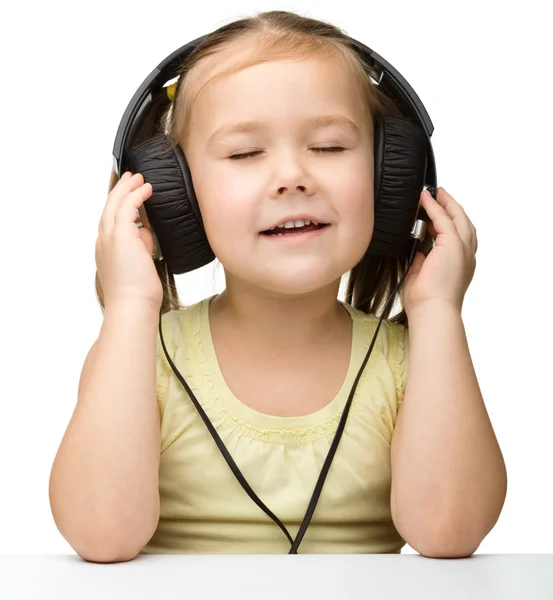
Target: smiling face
[(312, 155)]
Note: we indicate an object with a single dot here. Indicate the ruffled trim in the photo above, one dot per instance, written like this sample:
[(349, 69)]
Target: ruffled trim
[(202, 384)]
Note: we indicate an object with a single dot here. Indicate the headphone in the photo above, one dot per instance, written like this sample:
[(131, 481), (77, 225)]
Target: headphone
[(404, 165)]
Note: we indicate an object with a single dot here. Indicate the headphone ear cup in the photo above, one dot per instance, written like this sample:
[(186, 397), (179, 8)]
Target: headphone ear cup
[(172, 208), (400, 155)]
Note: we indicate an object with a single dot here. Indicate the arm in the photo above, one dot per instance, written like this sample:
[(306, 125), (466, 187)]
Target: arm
[(103, 485), (449, 479)]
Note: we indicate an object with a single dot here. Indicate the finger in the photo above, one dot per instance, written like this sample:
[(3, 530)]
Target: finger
[(474, 235), (127, 211), (143, 217), (474, 238), (127, 184), (147, 239), (417, 263), (431, 230), (440, 221), (114, 197), (458, 215)]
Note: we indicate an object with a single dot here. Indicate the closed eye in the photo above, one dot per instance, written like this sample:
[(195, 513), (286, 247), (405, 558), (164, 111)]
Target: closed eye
[(248, 154)]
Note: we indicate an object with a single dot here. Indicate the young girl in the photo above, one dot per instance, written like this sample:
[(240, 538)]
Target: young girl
[(272, 359)]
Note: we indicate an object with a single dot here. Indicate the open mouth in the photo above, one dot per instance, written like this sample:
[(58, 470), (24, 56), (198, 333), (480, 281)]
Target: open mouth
[(290, 231)]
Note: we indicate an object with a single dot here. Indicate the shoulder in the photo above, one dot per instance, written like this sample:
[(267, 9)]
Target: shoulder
[(392, 337), (174, 318), (181, 328), (384, 377), (178, 341)]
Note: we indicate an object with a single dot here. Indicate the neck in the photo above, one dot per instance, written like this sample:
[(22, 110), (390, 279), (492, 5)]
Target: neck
[(290, 322)]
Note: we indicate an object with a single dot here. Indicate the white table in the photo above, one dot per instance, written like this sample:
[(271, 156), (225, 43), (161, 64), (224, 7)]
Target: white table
[(268, 577)]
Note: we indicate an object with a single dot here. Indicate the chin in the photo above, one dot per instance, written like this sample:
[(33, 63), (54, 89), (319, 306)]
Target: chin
[(294, 277), (296, 283)]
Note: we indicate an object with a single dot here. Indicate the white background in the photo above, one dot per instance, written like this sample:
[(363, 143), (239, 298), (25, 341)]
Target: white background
[(483, 71)]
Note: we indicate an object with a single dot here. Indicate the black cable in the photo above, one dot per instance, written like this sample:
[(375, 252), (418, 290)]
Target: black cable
[(222, 447), (342, 423), (335, 442)]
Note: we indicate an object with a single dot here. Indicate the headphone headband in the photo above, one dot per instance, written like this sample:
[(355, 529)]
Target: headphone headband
[(392, 83)]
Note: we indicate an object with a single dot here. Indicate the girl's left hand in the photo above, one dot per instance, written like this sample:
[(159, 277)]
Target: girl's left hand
[(444, 275)]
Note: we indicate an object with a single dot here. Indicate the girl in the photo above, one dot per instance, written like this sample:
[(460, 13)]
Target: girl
[(273, 358)]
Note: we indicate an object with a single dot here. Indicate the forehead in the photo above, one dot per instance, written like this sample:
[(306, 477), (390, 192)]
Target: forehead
[(231, 66)]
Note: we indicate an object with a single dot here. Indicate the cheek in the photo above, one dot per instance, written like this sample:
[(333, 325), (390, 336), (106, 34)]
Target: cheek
[(357, 214), (361, 224), (226, 213), (356, 195)]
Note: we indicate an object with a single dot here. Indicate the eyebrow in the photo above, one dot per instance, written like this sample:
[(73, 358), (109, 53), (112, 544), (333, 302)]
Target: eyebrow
[(251, 126)]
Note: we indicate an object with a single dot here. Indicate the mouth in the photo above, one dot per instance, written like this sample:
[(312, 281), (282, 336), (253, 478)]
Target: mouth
[(295, 234), (293, 231)]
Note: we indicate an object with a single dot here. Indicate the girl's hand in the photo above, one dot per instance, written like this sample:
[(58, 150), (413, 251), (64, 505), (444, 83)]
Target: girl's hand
[(445, 274), (124, 250)]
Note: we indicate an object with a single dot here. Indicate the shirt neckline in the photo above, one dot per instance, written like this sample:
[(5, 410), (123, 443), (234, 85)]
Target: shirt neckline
[(245, 413)]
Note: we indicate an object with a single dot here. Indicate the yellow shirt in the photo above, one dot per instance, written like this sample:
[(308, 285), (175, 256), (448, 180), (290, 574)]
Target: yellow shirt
[(204, 509)]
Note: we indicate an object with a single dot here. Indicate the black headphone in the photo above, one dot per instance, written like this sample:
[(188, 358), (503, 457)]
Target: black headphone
[(403, 166)]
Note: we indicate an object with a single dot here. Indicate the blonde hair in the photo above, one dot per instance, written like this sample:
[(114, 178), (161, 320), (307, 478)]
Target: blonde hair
[(275, 35)]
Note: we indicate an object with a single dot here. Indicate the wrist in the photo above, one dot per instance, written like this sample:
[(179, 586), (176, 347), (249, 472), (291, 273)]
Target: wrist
[(137, 310), (431, 309)]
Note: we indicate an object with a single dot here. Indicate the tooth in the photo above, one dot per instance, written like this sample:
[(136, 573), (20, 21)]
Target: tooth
[(307, 222), (298, 223), (289, 224), (314, 222)]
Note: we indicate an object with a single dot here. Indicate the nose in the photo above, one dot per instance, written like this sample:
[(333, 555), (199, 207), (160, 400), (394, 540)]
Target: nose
[(282, 189), (292, 176)]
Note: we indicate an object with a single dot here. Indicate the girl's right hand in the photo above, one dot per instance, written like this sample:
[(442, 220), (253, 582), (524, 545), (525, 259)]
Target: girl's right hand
[(123, 250)]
